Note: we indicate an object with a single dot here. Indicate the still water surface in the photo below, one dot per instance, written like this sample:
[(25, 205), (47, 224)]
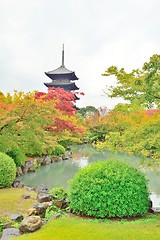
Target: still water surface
[(59, 173)]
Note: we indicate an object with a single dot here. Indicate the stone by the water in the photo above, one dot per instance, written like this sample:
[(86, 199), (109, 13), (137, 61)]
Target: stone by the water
[(18, 183), (42, 189), (44, 197)]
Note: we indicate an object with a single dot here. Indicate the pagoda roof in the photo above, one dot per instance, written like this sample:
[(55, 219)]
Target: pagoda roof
[(61, 73), (66, 86)]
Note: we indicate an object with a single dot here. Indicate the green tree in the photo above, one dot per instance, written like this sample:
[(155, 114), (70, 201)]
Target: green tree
[(87, 111), (140, 86)]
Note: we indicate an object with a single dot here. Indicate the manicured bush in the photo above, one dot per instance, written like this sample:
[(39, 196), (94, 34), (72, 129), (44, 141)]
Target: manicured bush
[(7, 170), (59, 149), (109, 189)]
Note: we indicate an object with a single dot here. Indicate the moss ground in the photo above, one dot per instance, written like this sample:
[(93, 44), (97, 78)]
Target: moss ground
[(11, 201)]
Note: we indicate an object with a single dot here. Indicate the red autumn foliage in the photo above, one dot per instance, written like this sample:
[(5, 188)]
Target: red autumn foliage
[(151, 112), (65, 99), (61, 125)]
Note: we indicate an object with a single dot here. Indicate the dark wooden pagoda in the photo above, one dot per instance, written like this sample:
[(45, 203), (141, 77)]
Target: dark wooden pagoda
[(62, 78)]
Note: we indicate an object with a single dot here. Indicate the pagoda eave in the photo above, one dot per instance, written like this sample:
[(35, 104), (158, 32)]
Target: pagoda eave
[(67, 86), (56, 76)]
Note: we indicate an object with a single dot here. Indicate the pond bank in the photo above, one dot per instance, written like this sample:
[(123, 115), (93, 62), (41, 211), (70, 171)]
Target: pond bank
[(58, 174)]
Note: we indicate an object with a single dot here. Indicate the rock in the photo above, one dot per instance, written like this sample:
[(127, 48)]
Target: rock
[(47, 204), (42, 189), (16, 217), (65, 203), (26, 196), (40, 209), (44, 197), (68, 148), (57, 215), (30, 224), (56, 158), (19, 171), (156, 209), (10, 233), (40, 160), (150, 210), (7, 225), (31, 165), (47, 160), (67, 155), (31, 211), (30, 188), (58, 202), (70, 210), (18, 183)]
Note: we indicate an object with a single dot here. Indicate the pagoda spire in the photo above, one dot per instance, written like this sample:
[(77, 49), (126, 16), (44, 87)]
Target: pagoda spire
[(63, 55)]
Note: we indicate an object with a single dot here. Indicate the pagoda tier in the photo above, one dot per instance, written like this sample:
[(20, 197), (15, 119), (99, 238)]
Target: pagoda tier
[(61, 73), (68, 86), (62, 77)]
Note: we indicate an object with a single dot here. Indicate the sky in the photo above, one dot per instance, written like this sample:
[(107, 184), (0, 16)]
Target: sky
[(96, 35)]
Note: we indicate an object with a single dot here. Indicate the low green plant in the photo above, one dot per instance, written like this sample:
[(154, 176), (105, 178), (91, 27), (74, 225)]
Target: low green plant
[(109, 189), (1, 226), (7, 170), (16, 224), (58, 193), (59, 149), (53, 210)]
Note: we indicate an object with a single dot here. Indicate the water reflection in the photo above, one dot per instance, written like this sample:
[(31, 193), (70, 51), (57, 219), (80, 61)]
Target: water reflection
[(59, 173)]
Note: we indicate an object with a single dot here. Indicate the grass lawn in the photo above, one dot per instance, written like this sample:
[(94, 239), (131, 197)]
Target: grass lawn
[(79, 229), (11, 201)]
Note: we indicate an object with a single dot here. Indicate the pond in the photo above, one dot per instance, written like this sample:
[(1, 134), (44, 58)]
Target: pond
[(58, 174)]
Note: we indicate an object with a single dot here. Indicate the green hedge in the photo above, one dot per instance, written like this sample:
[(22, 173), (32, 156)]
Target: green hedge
[(109, 189), (7, 170)]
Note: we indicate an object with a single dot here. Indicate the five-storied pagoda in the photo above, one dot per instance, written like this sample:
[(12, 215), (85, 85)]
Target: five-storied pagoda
[(62, 78)]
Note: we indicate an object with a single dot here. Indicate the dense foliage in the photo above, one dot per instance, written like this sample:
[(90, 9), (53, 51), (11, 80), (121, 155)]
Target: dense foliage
[(59, 149), (125, 130), (38, 122), (12, 150), (7, 170), (140, 85), (109, 189)]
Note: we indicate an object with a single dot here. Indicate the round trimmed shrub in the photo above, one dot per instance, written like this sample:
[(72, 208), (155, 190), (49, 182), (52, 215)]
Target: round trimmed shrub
[(109, 189), (7, 170)]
